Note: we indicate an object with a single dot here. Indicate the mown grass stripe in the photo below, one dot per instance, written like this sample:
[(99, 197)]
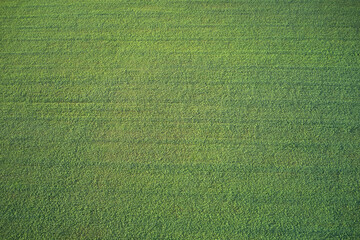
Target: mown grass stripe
[(356, 40)]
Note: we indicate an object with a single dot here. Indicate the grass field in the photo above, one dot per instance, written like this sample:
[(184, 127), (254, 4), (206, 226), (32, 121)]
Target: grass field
[(175, 119)]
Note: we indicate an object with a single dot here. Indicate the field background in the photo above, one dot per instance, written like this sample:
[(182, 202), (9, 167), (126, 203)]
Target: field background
[(204, 119)]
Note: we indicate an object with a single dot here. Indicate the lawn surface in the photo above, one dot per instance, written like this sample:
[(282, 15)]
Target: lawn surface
[(175, 119)]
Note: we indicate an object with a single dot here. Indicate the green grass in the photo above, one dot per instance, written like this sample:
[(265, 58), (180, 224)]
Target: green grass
[(204, 119)]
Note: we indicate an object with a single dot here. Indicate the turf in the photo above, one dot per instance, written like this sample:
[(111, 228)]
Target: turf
[(204, 119)]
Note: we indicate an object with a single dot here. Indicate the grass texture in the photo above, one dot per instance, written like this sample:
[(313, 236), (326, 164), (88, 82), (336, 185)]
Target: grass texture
[(176, 119)]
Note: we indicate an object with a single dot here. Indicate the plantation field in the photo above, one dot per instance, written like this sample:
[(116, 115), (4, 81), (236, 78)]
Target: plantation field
[(176, 119)]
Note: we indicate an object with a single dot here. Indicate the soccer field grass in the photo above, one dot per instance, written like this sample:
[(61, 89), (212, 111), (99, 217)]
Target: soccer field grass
[(176, 119)]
